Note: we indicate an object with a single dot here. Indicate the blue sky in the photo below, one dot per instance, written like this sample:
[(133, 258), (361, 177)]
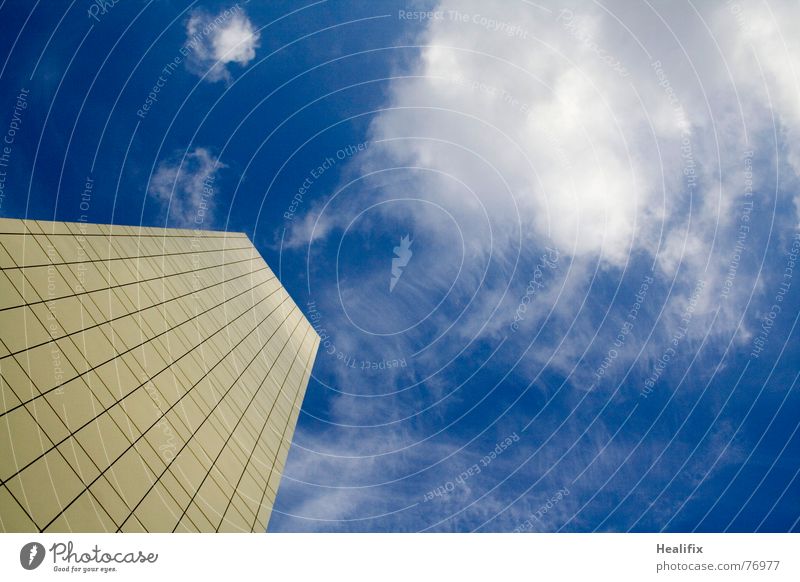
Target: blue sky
[(592, 325)]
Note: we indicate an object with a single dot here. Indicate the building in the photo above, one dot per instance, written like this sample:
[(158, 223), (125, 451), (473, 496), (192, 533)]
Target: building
[(151, 379)]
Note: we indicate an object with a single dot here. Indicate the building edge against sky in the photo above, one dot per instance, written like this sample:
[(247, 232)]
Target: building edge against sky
[(151, 379)]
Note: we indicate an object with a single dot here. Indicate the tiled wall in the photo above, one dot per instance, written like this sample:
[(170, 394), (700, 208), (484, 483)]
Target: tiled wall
[(151, 379)]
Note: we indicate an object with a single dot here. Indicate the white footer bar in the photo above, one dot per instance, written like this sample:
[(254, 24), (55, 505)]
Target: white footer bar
[(382, 557)]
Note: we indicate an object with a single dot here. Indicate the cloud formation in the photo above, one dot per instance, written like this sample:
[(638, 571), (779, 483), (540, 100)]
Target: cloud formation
[(573, 127), (214, 42), (652, 147), (184, 188)]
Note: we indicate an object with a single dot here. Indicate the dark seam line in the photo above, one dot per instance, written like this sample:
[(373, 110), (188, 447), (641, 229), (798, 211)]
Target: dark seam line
[(245, 409), (137, 282), (91, 495), (28, 515), (133, 444), (136, 258), (266, 486), (139, 311), (80, 477), (87, 489), (132, 258), (230, 435), (82, 448), (149, 378), (180, 485), (211, 412), (37, 318), (213, 464), (129, 313), (72, 434), (261, 432), (288, 420), (129, 350), (266, 421), (221, 516), (25, 511), (124, 235), (55, 446)]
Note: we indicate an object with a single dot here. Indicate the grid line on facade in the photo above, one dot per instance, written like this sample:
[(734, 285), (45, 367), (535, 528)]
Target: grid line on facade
[(278, 461), (218, 403), (127, 351), (138, 393), (217, 458), (83, 426)]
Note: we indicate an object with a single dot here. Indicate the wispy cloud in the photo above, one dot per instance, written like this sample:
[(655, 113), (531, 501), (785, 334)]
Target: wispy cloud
[(554, 132), (184, 187), (216, 41), (519, 129)]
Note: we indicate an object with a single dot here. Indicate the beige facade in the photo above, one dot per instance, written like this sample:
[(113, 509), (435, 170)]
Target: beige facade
[(151, 379)]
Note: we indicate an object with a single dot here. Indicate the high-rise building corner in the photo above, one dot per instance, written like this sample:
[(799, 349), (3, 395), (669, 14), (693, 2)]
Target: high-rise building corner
[(151, 379)]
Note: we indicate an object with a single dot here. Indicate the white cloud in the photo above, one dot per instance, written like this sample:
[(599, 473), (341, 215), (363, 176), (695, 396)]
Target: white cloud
[(613, 133), (185, 188), (567, 129), (214, 42), (585, 130)]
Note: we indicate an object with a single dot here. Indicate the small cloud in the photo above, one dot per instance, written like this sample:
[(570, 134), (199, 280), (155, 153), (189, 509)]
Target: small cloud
[(185, 188), (215, 41)]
